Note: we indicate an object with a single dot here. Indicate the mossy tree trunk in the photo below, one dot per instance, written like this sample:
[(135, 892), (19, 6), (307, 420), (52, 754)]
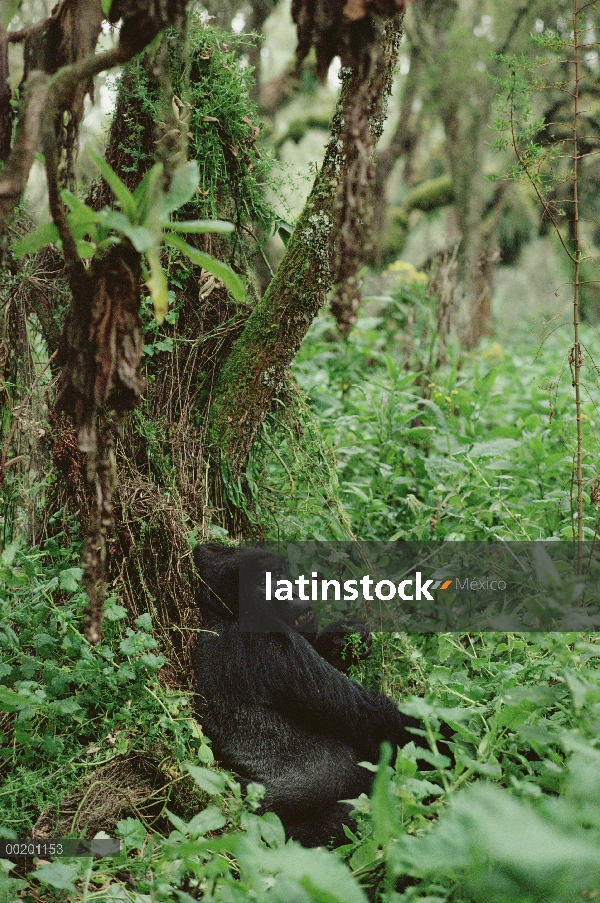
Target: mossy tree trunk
[(256, 370), (164, 492)]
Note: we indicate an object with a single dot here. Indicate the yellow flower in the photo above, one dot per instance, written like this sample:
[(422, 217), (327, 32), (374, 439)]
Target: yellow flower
[(406, 272), (494, 351)]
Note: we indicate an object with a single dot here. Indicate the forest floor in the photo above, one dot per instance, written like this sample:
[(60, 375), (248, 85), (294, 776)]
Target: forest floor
[(479, 447)]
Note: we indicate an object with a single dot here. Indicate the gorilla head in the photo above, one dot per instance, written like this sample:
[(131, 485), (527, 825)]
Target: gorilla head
[(234, 584)]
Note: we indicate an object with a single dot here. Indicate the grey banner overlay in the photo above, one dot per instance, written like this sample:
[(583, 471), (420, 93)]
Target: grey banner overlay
[(429, 586), (59, 847)]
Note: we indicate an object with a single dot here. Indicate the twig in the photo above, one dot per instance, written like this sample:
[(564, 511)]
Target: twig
[(57, 210), (576, 352), (43, 98)]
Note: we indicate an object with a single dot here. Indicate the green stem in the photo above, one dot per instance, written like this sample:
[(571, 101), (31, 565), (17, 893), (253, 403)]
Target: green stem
[(577, 353)]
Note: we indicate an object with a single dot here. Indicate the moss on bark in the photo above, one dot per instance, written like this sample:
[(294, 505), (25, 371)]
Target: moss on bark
[(256, 369)]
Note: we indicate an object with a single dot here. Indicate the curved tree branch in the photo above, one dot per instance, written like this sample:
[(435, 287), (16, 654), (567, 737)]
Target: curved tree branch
[(257, 367)]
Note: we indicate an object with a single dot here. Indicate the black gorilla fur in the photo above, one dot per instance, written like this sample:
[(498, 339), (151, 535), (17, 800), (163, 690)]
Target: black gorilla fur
[(276, 707)]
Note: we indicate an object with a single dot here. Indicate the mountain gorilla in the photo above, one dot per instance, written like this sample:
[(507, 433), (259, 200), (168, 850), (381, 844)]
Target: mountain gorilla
[(276, 703)]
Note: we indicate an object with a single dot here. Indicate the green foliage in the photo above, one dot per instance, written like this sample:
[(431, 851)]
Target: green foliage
[(518, 125), (67, 707), (223, 124), (143, 219), (481, 448), (508, 812), (524, 715)]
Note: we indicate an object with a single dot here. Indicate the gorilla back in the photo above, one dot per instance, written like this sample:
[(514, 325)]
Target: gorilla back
[(276, 710)]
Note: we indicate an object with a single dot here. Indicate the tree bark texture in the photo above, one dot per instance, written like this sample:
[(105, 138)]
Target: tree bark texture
[(256, 371)]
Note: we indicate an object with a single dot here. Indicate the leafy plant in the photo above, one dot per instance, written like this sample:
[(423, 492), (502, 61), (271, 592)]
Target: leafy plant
[(509, 811), (457, 455), (144, 218)]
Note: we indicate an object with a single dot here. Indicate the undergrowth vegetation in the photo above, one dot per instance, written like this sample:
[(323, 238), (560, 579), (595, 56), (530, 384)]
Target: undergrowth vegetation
[(507, 810), (479, 448)]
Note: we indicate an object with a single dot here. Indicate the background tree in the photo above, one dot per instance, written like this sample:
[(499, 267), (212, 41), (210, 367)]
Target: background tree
[(441, 129)]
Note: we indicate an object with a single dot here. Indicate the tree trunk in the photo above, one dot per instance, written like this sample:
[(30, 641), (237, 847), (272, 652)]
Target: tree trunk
[(256, 371), (465, 143)]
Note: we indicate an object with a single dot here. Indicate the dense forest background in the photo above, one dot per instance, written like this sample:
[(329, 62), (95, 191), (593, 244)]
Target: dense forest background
[(384, 328)]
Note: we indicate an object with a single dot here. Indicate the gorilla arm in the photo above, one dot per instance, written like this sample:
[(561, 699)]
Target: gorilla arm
[(308, 689)]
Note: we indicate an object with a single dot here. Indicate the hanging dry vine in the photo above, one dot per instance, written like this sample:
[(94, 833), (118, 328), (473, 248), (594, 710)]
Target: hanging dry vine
[(344, 28), (5, 96)]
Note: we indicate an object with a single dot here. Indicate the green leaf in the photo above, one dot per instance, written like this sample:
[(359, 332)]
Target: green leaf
[(11, 701), (210, 819), (178, 823), (106, 5), (499, 848), (141, 238), (8, 554), (35, 241), (537, 448), (147, 196), (284, 230), (79, 213), (114, 612), (132, 831), (85, 249), (386, 815), (151, 661), (118, 188), (319, 873), (271, 830), (205, 753), (200, 226), (366, 854), (10, 8), (210, 781), (545, 567), (56, 874), (492, 447), (64, 706), (221, 270), (69, 579), (182, 189)]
